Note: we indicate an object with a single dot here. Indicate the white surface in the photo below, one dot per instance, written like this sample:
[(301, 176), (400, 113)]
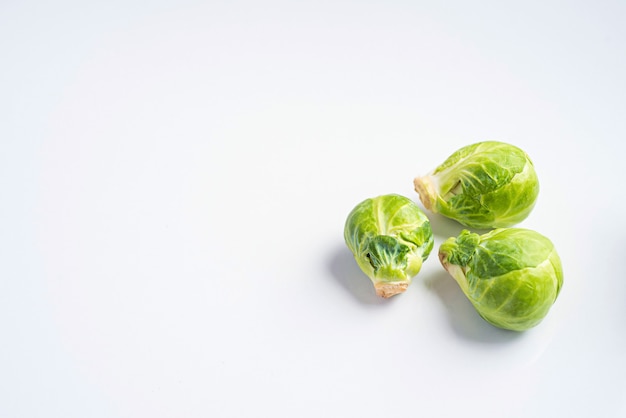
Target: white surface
[(175, 177)]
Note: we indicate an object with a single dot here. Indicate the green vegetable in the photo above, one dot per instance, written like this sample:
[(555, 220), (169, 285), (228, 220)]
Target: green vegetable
[(512, 276), (390, 237), (484, 185)]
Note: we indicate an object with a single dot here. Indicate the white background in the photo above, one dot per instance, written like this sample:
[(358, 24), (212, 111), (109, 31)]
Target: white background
[(175, 175)]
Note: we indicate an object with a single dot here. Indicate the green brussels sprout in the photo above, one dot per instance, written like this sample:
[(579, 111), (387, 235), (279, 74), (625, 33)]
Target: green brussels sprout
[(484, 185), (512, 276), (390, 237)]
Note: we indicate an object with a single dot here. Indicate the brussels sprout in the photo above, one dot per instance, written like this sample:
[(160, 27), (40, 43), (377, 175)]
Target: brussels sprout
[(484, 185), (390, 237), (512, 276)]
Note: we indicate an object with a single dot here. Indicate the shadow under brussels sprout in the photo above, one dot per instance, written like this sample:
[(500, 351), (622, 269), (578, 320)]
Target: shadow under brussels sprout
[(347, 273), (464, 319)]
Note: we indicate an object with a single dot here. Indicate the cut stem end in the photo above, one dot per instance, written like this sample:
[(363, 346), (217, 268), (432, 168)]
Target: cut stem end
[(426, 190), (387, 290)]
